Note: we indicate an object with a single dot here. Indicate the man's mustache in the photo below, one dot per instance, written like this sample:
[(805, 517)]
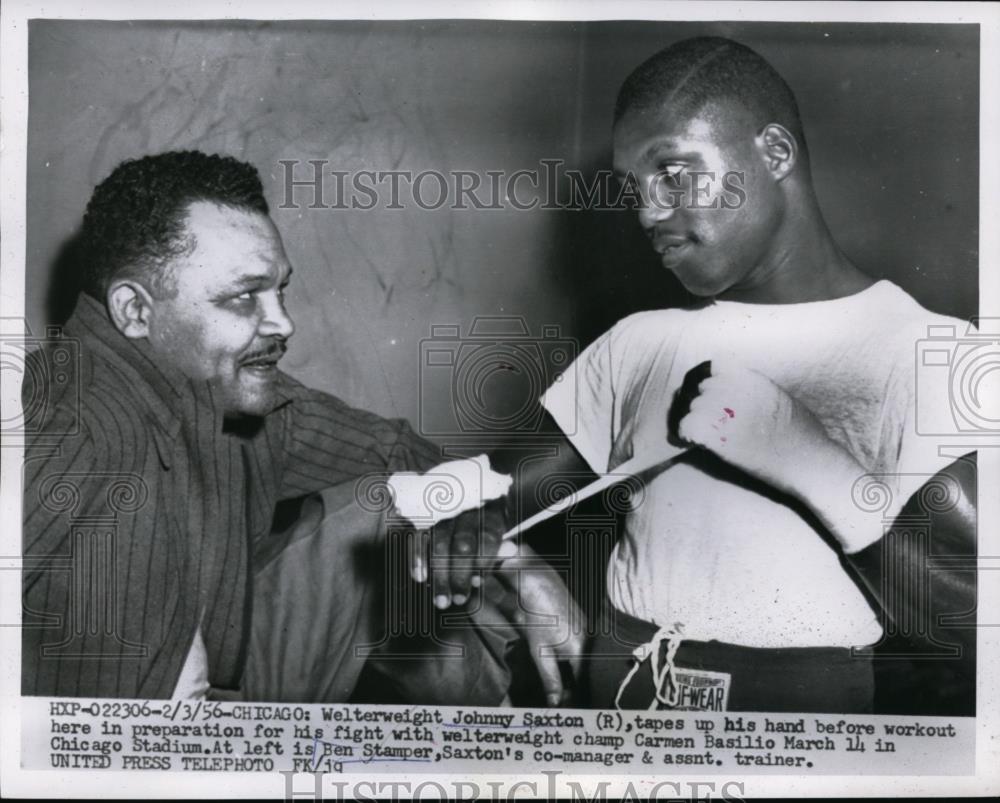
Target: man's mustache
[(273, 351)]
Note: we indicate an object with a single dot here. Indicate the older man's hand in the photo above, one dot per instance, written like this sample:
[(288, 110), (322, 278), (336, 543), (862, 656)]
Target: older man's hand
[(541, 607), (459, 552)]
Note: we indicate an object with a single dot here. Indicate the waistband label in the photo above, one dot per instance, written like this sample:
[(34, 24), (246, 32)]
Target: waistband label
[(701, 690)]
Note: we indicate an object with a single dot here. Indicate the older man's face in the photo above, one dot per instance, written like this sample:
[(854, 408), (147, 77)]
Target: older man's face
[(227, 320)]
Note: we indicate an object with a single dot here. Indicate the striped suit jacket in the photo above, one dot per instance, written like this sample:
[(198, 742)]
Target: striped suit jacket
[(142, 507)]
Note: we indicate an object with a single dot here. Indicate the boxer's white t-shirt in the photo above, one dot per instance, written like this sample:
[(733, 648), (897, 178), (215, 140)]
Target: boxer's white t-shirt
[(725, 561)]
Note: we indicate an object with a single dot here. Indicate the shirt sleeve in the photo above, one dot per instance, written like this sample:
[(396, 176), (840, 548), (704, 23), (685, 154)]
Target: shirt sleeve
[(582, 402), (326, 442)]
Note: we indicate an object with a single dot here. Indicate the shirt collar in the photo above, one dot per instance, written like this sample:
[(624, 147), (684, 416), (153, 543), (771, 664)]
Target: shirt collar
[(169, 396), (168, 393)]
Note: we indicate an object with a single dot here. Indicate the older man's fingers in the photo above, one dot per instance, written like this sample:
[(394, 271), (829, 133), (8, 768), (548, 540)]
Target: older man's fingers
[(548, 670), (518, 591)]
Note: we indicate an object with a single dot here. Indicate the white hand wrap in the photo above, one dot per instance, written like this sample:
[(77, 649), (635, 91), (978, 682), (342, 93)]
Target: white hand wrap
[(447, 490)]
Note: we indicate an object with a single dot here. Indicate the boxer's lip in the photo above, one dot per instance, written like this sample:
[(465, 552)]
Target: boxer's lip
[(668, 243)]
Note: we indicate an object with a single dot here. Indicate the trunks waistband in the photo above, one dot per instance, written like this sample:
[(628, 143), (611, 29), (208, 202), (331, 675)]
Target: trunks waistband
[(631, 631)]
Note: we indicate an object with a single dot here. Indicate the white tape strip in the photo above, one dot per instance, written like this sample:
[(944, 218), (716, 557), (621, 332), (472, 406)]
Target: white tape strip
[(459, 485), (630, 468)]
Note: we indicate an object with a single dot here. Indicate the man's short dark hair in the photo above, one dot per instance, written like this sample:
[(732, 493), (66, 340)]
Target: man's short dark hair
[(690, 73), (134, 223)]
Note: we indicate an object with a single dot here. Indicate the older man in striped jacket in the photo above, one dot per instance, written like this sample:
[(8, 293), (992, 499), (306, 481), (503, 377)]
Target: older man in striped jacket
[(167, 439)]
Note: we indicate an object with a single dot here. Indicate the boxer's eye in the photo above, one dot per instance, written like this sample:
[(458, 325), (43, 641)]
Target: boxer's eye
[(669, 173)]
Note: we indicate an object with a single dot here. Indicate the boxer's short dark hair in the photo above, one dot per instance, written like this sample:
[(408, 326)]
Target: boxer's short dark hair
[(690, 73)]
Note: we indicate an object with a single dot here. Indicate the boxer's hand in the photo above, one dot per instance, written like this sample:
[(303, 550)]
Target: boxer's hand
[(751, 423), (541, 607), (453, 554)]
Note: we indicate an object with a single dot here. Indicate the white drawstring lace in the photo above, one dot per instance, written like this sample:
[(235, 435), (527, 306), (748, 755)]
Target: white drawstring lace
[(664, 684)]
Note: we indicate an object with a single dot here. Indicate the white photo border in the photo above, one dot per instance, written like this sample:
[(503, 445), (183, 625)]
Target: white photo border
[(14, 91)]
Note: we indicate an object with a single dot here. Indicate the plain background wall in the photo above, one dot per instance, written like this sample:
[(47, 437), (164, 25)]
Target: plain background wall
[(891, 116)]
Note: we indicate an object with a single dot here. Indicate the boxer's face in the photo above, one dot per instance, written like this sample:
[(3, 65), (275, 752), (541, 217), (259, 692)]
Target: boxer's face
[(710, 206), (226, 320)]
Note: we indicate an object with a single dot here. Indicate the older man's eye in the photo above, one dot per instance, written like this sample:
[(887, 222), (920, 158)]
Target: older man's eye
[(243, 300)]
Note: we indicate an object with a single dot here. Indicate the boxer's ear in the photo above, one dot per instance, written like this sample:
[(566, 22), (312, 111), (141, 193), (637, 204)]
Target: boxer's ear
[(130, 306), (778, 148)]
